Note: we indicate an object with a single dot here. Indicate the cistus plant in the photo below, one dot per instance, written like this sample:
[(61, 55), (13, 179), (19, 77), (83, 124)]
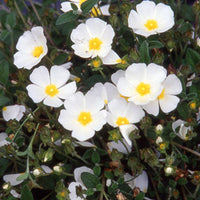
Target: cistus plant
[(99, 100)]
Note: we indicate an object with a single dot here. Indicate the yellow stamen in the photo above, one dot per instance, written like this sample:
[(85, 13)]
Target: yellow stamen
[(96, 63), (4, 108), (126, 98), (193, 105), (37, 51), (122, 61), (122, 121), (51, 90), (77, 79), (106, 101), (162, 146), (162, 94), (151, 24), (95, 44), (143, 89), (84, 118)]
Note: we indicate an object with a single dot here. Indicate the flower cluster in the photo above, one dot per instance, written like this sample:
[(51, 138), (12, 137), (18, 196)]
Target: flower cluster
[(125, 100)]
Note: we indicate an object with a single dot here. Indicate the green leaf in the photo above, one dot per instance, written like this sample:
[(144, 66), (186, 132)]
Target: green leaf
[(3, 100), (97, 170), (4, 34), (66, 17), (89, 180), (155, 44), (3, 166), (144, 53), (182, 181), (26, 193), (22, 177), (11, 20), (95, 157), (140, 196), (4, 72), (192, 59), (88, 5)]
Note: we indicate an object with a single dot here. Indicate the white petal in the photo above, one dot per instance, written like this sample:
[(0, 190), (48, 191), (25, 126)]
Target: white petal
[(156, 73), (66, 6), (15, 194), (59, 75), (168, 103), (125, 88), (93, 103), (53, 101), (22, 110), (67, 90), (119, 146), (172, 85), (134, 113), (72, 189), (108, 35), (129, 180), (40, 76), (82, 50), (111, 91), (36, 93), (99, 119), (83, 133), (152, 107), (105, 10), (11, 178), (24, 60), (46, 169), (85, 144), (10, 112), (176, 124), (146, 9), (142, 182), (111, 58), (126, 130), (78, 171), (96, 27), (117, 75), (3, 140)]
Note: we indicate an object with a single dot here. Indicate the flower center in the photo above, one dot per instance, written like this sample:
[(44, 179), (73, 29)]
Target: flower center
[(51, 90), (122, 121), (84, 118), (37, 51), (151, 24), (162, 94), (143, 89), (95, 44)]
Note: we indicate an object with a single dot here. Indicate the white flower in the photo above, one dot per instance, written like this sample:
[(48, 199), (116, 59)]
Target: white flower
[(120, 146), (13, 112), (12, 179), (166, 99), (182, 129), (3, 140), (94, 38), (123, 114), (77, 176), (140, 181), (104, 10), (150, 19), (83, 115), (141, 83), (50, 87), (31, 48)]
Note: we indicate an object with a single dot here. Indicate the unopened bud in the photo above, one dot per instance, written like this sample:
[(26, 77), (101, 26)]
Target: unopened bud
[(37, 172), (169, 170), (159, 140), (159, 129)]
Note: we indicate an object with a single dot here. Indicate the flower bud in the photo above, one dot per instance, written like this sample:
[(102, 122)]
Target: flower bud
[(37, 172), (169, 170), (159, 129), (159, 140)]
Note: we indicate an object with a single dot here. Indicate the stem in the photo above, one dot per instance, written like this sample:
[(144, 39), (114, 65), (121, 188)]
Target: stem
[(187, 149), (36, 12), (23, 124), (101, 72), (20, 14)]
